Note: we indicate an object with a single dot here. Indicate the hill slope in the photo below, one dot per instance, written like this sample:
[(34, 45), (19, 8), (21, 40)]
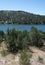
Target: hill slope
[(21, 17)]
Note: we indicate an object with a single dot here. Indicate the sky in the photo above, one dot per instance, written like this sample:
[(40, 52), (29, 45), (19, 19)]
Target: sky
[(32, 6)]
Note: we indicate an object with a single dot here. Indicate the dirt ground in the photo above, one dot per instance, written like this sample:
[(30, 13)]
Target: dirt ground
[(14, 59), (35, 56)]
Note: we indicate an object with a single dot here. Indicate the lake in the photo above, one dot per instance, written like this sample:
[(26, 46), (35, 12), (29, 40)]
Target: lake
[(4, 27)]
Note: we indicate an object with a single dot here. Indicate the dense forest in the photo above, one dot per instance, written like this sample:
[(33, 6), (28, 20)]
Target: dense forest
[(20, 17)]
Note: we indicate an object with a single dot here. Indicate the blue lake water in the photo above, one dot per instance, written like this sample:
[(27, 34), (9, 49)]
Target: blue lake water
[(21, 27)]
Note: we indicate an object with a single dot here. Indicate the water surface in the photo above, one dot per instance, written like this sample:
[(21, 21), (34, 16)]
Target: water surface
[(21, 27)]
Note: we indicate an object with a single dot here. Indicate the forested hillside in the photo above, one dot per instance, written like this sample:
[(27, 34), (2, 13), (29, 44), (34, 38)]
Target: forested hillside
[(20, 17)]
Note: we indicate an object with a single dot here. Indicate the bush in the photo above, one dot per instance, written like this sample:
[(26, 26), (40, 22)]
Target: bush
[(36, 37), (4, 52), (16, 40), (24, 59), (40, 59), (1, 36)]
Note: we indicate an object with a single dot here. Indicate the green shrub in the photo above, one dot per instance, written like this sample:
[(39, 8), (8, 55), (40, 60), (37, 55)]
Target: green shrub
[(36, 37), (16, 40), (24, 58), (40, 59), (4, 52)]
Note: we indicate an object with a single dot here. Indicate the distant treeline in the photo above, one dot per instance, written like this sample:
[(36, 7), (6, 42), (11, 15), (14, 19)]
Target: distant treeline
[(20, 17), (16, 40)]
